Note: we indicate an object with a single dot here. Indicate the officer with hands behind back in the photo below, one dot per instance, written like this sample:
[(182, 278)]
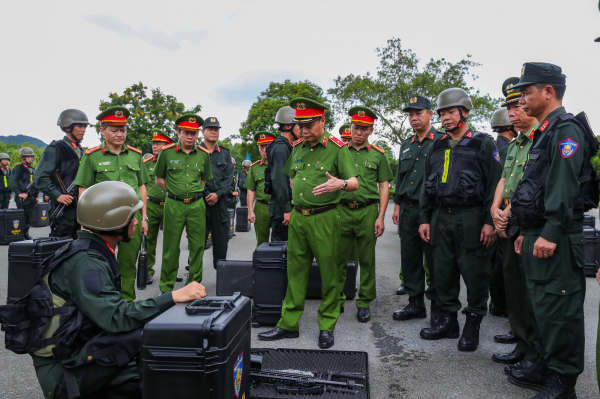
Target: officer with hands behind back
[(20, 179)]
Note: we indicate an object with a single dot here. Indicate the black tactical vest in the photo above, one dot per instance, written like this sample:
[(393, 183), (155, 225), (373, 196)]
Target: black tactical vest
[(5, 176), (459, 175), (528, 200), (268, 180), (26, 177), (68, 166)]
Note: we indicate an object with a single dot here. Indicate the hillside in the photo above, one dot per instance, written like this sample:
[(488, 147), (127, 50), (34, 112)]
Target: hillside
[(20, 139)]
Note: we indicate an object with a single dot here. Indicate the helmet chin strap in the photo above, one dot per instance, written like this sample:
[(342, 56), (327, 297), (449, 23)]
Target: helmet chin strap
[(290, 130), (123, 234), (70, 134), (462, 120)]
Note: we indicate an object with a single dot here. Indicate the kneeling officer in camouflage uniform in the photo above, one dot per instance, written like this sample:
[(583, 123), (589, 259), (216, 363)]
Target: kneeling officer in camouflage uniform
[(72, 352)]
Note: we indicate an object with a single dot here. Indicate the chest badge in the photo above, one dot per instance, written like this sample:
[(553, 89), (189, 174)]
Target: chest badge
[(568, 148), (497, 156)]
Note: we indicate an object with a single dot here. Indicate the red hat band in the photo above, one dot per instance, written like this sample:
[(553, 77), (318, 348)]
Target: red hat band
[(188, 125), (347, 133), (266, 140), (160, 137), (118, 119), (309, 113), (362, 119)]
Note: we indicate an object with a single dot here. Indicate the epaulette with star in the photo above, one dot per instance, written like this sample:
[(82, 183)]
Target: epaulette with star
[(255, 163), (93, 149), (381, 150), (148, 159), (134, 149), (168, 146), (339, 142), (295, 143), (204, 149)]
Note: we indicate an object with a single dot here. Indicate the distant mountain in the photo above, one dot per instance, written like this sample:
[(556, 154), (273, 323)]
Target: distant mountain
[(20, 139)]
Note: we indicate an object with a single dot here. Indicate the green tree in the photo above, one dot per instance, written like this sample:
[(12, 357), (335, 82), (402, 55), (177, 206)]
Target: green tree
[(158, 110), (398, 78), (390, 155), (262, 112), (12, 150)]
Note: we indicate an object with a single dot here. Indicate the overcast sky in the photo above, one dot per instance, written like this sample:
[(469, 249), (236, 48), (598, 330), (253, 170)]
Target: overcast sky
[(220, 54)]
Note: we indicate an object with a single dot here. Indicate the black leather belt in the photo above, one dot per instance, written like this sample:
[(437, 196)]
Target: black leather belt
[(358, 205), (263, 202), (314, 211), (155, 201), (187, 200)]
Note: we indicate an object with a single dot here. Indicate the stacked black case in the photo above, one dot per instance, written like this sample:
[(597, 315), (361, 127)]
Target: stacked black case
[(242, 224), (235, 276), (40, 216), (200, 349), (313, 290), (24, 259), (231, 213), (11, 225), (589, 221), (592, 251), (269, 262)]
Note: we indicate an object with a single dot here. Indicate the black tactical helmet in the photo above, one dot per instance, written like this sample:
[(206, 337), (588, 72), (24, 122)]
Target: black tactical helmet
[(26, 152), (71, 116)]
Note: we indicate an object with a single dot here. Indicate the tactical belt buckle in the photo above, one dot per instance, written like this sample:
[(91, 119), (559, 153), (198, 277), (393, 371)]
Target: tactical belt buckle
[(187, 200), (162, 203), (307, 212), (353, 206), (506, 201)]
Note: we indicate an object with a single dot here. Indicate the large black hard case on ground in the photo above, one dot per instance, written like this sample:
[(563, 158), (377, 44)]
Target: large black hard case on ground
[(231, 213), (592, 251), (24, 260), (269, 263), (201, 355), (589, 221), (241, 221), (314, 282), (235, 276), (40, 216), (11, 225)]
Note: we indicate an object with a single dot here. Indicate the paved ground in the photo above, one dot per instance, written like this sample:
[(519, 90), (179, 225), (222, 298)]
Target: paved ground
[(401, 364)]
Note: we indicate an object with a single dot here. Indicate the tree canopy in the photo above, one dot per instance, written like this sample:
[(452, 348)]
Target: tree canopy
[(12, 149), (399, 76)]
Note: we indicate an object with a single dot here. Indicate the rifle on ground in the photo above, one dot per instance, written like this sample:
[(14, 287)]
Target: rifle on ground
[(305, 382), (73, 191), (142, 266), (30, 186)]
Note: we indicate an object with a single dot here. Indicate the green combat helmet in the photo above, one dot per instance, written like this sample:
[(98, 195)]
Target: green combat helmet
[(285, 115), (246, 163), (453, 97), (26, 152), (71, 116), (501, 122), (108, 206), (4, 156)]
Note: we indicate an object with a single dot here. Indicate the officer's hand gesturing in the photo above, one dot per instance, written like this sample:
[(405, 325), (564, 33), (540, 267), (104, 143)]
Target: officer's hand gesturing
[(519, 245), (543, 248), (65, 199), (332, 185), (488, 235), (425, 231), (379, 227), (190, 292)]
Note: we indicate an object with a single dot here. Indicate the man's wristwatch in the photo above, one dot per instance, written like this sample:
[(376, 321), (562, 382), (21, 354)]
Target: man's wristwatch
[(345, 185), (145, 220)]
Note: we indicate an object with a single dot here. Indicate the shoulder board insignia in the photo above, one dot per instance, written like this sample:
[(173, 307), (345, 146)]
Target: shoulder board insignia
[(381, 150), (134, 149), (148, 159), (168, 146), (93, 149), (295, 143), (339, 142), (254, 163), (202, 148)]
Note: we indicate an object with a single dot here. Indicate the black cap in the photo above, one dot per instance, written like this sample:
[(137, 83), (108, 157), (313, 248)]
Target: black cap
[(417, 102), (211, 122), (540, 72)]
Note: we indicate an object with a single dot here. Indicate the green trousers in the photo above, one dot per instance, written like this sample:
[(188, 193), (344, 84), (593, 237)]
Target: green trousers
[(67, 225), (457, 251), (177, 216), (217, 223), (518, 305), (262, 226), (556, 288), (357, 229), (413, 273), (127, 254), (155, 218), (27, 206), (108, 382), (4, 199), (312, 237)]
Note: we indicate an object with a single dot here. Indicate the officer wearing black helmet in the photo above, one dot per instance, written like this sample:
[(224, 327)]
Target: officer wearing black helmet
[(57, 170), (22, 184), (461, 174), (5, 195), (505, 130)]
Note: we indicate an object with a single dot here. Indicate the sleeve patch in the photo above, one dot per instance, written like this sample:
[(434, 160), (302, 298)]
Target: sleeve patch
[(93, 281), (134, 149), (48, 156), (568, 148), (93, 149), (497, 156)]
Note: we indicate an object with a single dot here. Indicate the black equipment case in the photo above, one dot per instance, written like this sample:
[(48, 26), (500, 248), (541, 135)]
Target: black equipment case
[(592, 251), (231, 213), (200, 350), (11, 225), (589, 221), (269, 262), (40, 216), (24, 259), (242, 224), (235, 276), (314, 282)]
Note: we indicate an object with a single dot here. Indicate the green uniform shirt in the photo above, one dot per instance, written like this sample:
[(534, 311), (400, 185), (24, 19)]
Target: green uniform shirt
[(411, 168), (100, 164), (255, 181), (373, 168), (183, 173), (516, 156), (502, 144), (50, 162), (222, 172), (307, 167), (152, 189)]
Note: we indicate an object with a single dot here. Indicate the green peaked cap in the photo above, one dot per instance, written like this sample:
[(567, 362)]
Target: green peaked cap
[(343, 128), (355, 110), (113, 111), (262, 135)]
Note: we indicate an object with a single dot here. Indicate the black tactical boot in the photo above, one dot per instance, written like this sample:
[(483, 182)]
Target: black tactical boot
[(470, 336), (435, 313), (534, 377), (446, 327), (26, 234), (414, 310), (558, 387)]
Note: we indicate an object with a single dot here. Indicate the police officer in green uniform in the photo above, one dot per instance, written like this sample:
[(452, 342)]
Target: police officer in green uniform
[(518, 305), (115, 161), (320, 167), (360, 221), (411, 170), (241, 179), (462, 171), (552, 241), (345, 133), (5, 193), (216, 189), (182, 171), (20, 178), (258, 212), (277, 183), (58, 168), (87, 279), (156, 199)]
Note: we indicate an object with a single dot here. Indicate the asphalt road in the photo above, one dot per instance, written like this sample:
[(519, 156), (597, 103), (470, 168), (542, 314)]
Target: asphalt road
[(401, 364)]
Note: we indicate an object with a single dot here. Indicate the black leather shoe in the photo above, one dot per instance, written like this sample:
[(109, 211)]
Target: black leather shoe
[(446, 327), (401, 290), (534, 377), (414, 310), (508, 338), (150, 280), (522, 365), (278, 333), (325, 339), (558, 387), (435, 313), (363, 315), (179, 279), (508, 358), (469, 341), (496, 310), (26, 235)]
